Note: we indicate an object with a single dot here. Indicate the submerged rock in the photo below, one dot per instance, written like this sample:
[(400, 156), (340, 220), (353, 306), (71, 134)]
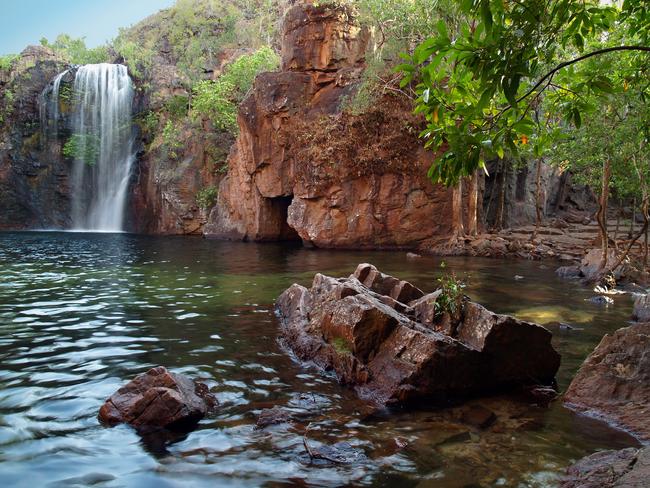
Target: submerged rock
[(158, 399), (627, 468), (614, 381), (601, 300), (383, 337)]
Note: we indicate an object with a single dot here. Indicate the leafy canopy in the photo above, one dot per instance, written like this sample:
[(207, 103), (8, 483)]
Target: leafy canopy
[(480, 82)]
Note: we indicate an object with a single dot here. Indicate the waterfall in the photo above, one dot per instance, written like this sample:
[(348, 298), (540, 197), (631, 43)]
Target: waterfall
[(102, 144), (49, 107), (100, 141)]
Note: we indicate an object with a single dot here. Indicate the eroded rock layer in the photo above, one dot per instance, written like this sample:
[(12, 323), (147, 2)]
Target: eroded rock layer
[(393, 344)]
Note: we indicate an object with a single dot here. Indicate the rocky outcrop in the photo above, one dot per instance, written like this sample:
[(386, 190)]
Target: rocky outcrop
[(614, 381), (34, 189), (303, 169), (393, 344), (158, 399), (627, 468)]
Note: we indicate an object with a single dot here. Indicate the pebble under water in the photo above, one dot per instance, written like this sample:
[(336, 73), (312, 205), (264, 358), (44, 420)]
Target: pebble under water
[(81, 314)]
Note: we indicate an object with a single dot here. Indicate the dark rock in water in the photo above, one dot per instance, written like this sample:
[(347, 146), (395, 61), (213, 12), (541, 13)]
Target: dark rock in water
[(601, 300), (627, 468), (394, 352), (478, 416), (614, 381), (339, 453), (568, 272), (158, 399), (642, 308), (273, 416)]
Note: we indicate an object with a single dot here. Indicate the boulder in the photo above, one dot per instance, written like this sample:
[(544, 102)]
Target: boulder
[(642, 308), (627, 468), (614, 381), (392, 352), (158, 399)]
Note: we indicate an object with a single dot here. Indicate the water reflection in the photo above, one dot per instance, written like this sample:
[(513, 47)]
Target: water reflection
[(80, 314)]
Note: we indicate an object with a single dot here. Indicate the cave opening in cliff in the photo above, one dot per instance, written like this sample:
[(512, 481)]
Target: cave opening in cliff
[(280, 210)]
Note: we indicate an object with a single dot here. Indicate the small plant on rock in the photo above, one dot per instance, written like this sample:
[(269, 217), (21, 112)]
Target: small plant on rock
[(452, 295)]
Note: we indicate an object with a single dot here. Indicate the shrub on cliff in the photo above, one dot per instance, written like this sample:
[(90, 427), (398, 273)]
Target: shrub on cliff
[(218, 100)]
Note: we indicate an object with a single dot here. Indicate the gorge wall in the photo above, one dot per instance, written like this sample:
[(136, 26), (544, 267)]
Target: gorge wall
[(303, 169)]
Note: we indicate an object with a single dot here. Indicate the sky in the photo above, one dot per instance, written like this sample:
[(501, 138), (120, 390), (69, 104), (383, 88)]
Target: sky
[(25, 22)]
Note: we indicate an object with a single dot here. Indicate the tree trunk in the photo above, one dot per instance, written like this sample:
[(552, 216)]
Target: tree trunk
[(633, 217), (618, 222), (644, 230), (458, 229), (602, 212), (472, 207), (538, 199), (645, 225), (498, 219)]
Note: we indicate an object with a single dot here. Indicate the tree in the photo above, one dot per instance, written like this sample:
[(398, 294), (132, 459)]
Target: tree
[(479, 82)]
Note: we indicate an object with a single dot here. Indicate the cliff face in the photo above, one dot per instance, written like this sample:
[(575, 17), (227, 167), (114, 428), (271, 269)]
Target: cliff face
[(33, 176), (302, 169)]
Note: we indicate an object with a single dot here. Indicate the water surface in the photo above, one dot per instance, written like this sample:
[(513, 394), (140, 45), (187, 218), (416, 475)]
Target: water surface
[(80, 314)]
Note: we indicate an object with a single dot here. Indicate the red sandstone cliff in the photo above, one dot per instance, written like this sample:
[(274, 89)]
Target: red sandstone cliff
[(303, 169)]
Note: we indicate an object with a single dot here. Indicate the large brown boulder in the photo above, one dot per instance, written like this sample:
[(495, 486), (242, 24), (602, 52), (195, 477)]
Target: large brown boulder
[(395, 352), (158, 399), (614, 381), (627, 468)]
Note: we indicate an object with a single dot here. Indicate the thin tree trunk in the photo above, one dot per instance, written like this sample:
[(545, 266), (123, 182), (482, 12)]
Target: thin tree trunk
[(618, 223), (633, 217), (457, 210), (645, 225), (538, 198), (644, 230), (472, 207), (602, 212), (498, 220)]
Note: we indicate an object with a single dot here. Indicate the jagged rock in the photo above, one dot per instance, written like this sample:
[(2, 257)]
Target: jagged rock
[(614, 381), (642, 308), (158, 399), (627, 468), (590, 265), (378, 345)]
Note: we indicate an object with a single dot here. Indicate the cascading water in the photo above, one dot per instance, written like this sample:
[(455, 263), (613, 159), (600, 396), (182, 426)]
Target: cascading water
[(49, 107), (100, 142)]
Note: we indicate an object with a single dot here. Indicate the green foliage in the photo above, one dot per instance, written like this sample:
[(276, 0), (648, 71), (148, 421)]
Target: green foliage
[(480, 82), (172, 139), (138, 58), (341, 345), (450, 301), (83, 147), (206, 198), (177, 106), (198, 32), (148, 122), (218, 100), (7, 61), (75, 50)]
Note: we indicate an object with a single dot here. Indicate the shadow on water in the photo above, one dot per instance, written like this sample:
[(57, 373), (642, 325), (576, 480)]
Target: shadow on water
[(82, 313)]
